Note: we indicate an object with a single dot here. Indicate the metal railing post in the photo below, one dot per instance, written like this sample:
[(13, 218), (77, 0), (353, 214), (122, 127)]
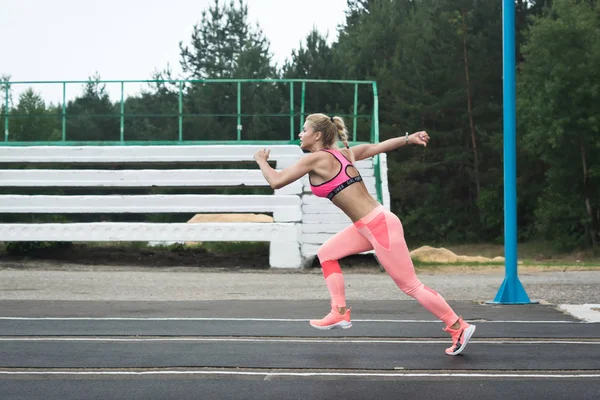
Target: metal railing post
[(375, 139), (355, 111), (375, 132), (180, 101), (122, 130), (302, 104), (239, 111), (64, 112), (292, 110), (6, 104)]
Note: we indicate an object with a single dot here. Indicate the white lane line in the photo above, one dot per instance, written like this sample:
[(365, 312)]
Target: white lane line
[(283, 340), (307, 374), (585, 312), (397, 321)]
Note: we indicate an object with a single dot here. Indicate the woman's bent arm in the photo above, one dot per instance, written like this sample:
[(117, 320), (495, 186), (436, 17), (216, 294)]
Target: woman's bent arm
[(279, 179)]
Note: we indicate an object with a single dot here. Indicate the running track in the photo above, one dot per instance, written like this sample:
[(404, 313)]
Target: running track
[(266, 350)]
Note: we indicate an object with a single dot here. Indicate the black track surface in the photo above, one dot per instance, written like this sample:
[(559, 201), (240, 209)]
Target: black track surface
[(268, 351)]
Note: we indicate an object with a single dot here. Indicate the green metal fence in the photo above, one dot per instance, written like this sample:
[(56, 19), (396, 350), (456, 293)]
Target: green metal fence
[(296, 113)]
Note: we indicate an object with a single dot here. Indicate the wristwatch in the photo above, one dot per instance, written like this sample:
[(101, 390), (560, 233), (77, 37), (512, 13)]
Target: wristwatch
[(406, 136)]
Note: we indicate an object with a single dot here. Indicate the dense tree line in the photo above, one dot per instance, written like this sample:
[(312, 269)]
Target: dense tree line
[(438, 66)]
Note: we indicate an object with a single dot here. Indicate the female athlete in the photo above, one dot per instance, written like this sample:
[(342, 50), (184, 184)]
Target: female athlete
[(332, 175)]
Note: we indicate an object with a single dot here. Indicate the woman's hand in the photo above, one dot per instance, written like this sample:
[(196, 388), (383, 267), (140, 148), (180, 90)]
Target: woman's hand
[(262, 155), (420, 138)]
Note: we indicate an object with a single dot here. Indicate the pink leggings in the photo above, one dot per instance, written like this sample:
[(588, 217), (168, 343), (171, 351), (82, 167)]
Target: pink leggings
[(381, 231)]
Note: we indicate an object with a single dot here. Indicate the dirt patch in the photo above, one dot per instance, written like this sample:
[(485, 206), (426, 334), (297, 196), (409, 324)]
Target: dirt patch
[(203, 218), (442, 255)]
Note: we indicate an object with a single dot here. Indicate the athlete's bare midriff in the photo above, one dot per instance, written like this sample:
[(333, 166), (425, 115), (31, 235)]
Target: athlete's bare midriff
[(355, 200)]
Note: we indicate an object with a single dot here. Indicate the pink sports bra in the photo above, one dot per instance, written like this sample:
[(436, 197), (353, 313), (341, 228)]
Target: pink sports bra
[(339, 182)]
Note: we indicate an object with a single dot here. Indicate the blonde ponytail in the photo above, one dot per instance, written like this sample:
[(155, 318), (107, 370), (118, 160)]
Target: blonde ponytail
[(342, 133)]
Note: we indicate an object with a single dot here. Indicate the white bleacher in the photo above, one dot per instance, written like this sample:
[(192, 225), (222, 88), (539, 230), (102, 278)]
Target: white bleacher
[(302, 222), (284, 204)]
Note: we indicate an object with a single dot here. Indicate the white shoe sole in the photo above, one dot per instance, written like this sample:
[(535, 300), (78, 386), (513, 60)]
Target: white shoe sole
[(465, 339), (341, 324)]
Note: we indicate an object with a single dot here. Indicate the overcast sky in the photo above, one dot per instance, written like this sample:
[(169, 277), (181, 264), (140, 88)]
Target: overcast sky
[(130, 39)]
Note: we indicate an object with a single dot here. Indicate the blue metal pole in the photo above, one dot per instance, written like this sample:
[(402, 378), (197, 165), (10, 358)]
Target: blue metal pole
[(511, 291)]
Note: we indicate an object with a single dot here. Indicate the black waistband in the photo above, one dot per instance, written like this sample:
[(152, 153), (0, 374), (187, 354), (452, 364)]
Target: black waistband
[(344, 186)]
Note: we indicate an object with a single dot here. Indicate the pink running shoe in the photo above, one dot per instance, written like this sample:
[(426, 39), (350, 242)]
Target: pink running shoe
[(333, 320), (460, 337)]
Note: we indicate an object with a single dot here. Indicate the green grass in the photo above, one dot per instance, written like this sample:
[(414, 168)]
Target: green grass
[(212, 247), (219, 247), (535, 254)]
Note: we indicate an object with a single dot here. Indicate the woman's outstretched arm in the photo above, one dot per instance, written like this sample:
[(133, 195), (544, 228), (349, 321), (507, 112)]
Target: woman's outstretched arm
[(363, 151)]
